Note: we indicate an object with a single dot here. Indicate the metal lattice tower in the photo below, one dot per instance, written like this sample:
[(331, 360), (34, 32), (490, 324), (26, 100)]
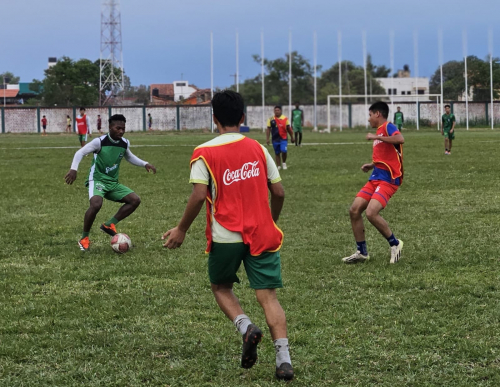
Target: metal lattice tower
[(111, 58)]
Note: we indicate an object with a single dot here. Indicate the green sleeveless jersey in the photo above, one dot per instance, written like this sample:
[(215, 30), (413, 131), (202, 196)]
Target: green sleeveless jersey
[(297, 117), (106, 163), (398, 118), (448, 120)]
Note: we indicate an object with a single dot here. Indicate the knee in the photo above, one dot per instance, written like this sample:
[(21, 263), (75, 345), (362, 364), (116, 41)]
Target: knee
[(95, 206), (136, 201), (371, 214), (355, 211)]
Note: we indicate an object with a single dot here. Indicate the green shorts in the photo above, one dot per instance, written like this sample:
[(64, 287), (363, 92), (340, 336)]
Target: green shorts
[(449, 135), (82, 137), (400, 126), (297, 128), (111, 191), (263, 271)]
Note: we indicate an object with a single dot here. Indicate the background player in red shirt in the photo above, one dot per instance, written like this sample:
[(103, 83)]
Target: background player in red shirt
[(44, 125), (387, 175)]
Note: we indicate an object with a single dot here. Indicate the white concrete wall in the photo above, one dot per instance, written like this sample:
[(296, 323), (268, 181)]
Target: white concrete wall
[(24, 120)]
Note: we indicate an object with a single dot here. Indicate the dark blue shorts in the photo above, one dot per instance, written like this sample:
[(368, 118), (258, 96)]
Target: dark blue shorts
[(280, 146)]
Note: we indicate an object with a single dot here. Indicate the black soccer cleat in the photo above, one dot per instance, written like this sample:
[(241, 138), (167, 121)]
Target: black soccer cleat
[(251, 339), (284, 372)]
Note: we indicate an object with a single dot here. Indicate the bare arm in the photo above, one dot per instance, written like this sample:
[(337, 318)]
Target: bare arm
[(277, 199), (268, 132), (290, 131), (395, 139), (195, 203)]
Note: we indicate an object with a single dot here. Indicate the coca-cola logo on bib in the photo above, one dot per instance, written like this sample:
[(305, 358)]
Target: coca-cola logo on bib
[(247, 171)]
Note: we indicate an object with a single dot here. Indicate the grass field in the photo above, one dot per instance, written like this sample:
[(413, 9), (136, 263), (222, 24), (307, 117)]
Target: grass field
[(148, 317)]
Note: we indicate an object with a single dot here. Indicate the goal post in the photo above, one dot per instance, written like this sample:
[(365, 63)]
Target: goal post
[(391, 100)]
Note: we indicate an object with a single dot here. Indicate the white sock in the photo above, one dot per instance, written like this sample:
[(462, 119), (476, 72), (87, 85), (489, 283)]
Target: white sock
[(241, 323), (282, 352)]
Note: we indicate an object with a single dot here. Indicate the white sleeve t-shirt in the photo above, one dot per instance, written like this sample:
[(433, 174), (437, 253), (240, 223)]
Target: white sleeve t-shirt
[(200, 175)]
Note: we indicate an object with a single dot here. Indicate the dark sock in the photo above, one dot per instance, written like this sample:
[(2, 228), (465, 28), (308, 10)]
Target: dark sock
[(300, 138), (85, 234), (362, 247), (392, 240), (111, 221)]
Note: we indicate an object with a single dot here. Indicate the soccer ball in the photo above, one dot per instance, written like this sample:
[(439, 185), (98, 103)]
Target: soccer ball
[(121, 243)]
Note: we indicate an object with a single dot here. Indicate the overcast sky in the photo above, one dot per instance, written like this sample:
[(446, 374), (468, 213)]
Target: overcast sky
[(163, 39)]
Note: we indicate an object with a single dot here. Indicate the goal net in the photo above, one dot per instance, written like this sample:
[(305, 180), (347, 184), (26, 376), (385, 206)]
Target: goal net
[(351, 111)]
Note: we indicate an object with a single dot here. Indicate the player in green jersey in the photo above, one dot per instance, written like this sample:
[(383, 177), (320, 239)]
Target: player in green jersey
[(102, 181), (399, 119), (448, 129), (297, 123)]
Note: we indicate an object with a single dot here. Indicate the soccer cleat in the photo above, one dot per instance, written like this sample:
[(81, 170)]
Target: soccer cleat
[(279, 167), (284, 166), (447, 153), (251, 339), (357, 257), (396, 252), (284, 372), (110, 230), (84, 244)]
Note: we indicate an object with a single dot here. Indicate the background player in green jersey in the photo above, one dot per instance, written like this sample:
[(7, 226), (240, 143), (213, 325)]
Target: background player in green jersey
[(297, 123), (448, 129), (399, 119), (102, 182)]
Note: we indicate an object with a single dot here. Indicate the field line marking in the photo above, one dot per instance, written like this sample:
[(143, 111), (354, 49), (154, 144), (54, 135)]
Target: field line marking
[(176, 145)]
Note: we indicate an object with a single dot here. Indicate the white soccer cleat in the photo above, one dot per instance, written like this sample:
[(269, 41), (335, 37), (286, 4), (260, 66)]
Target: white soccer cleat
[(396, 252), (284, 166), (279, 167), (357, 257)]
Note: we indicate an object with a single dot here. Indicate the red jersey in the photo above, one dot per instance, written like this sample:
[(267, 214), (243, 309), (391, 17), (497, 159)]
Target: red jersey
[(278, 127), (81, 125), (388, 157), (238, 172), (44, 121)]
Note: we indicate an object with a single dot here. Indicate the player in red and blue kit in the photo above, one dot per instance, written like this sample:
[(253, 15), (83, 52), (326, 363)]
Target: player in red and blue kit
[(387, 176)]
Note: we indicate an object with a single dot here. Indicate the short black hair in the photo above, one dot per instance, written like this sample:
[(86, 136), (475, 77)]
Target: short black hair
[(380, 107), (82, 108), (117, 117), (447, 106), (98, 115), (44, 116), (228, 107), (279, 107)]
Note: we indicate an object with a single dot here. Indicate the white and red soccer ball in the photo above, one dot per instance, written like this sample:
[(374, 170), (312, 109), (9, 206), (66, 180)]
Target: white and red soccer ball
[(121, 243)]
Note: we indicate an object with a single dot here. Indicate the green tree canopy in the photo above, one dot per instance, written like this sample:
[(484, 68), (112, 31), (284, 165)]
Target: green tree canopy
[(276, 81), (13, 79), (478, 72)]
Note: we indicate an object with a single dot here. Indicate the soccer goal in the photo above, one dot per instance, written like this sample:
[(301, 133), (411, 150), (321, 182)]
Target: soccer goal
[(418, 110)]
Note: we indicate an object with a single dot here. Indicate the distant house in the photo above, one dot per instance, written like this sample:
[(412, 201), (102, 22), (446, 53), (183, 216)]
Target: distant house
[(25, 92), (10, 96), (179, 92), (199, 97), (404, 84)]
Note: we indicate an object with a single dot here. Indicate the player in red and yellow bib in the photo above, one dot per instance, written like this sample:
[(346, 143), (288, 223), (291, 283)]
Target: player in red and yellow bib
[(234, 175), (83, 127), (387, 176)]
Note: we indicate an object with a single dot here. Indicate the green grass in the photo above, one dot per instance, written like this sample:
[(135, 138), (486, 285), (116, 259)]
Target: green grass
[(148, 317)]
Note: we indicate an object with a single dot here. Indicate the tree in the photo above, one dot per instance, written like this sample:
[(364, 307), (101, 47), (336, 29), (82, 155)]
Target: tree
[(13, 79), (376, 71), (276, 81), (353, 82), (478, 74)]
